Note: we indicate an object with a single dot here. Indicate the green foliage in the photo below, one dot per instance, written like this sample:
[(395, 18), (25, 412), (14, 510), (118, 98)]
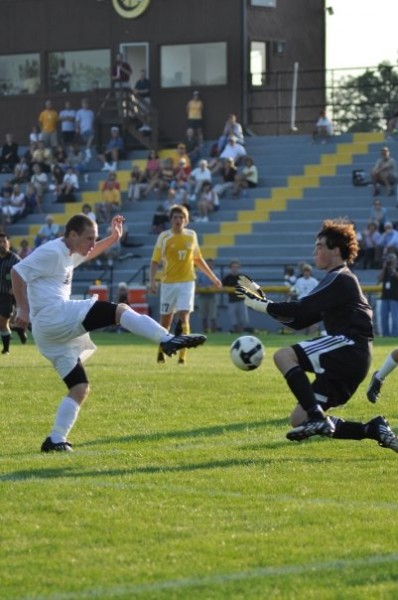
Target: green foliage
[(183, 485), (364, 102)]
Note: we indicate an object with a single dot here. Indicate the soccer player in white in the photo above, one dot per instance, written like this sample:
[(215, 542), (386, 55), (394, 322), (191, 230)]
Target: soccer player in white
[(42, 287)]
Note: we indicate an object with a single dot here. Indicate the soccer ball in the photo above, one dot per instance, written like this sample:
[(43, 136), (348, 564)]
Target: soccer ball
[(247, 353)]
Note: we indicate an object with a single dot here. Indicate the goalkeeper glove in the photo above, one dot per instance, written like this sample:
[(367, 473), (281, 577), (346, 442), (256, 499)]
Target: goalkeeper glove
[(250, 285), (252, 294)]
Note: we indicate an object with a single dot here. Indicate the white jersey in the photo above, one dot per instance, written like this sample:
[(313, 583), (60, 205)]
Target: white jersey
[(48, 273), (56, 319)]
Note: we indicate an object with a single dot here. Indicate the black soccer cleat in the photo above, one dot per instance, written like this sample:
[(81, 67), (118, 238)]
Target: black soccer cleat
[(373, 393), (311, 427), (49, 446), (178, 342), (380, 430)]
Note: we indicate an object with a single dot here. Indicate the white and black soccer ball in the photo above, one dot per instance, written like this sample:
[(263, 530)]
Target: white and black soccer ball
[(247, 352)]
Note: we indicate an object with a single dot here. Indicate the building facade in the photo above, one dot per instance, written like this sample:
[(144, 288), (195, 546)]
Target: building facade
[(243, 56)]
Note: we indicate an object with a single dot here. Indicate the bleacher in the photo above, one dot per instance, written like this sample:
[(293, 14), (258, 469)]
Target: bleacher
[(301, 184)]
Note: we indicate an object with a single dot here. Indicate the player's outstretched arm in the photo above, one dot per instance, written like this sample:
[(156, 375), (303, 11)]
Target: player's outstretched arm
[(112, 238)]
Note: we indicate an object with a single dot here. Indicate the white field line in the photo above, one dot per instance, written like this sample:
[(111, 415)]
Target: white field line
[(219, 579)]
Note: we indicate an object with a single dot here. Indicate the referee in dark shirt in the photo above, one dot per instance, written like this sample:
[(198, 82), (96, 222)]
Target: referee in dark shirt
[(340, 359), (7, 260)]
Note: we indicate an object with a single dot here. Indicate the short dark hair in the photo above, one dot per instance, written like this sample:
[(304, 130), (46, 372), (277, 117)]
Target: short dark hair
[(340, 233), (78, 223)]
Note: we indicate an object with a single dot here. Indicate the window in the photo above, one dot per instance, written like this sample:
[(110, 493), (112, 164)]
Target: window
[(258, 63), (267, 3), (19, 74), (194, 65), (79, 71)]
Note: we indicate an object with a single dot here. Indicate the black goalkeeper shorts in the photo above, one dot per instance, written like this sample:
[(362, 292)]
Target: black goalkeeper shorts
[(339, 364)]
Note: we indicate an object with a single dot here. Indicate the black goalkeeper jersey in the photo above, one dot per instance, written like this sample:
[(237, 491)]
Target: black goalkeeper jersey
[(337, 300)]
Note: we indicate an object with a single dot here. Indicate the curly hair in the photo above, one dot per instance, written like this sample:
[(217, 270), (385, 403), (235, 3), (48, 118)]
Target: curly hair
[(340, 233)]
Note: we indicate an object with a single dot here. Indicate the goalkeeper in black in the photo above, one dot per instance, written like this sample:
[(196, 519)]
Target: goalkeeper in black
[(340, 359)]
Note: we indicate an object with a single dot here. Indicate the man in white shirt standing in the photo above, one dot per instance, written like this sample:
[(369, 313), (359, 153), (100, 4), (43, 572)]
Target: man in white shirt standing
[(85, 127), (67, 116), (60, 326)]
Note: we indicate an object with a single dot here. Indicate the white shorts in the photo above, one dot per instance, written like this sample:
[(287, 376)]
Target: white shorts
[(177, 296), (60, 336)]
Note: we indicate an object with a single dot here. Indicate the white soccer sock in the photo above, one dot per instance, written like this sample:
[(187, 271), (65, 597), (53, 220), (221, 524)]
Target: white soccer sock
[(144, 326), (386, 368), (64, 420)]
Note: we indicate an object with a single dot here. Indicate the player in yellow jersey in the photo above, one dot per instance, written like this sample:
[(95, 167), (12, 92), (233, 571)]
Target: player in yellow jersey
[(178, 251)]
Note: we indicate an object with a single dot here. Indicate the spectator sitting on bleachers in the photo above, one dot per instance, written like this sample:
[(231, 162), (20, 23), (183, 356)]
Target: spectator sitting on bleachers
[(69, 186), (384, 173), (35, 135), (60, 157), (378, 215), (24, 249), (137, 184), (197, 177), (13, 206), (57, 177), (9, 154), (31, 199), (87, 210), (39, 180), (114, 151), (43, 156), (28, 155), (231, 128), (111, 199), (208, 202), (232, 150), (228, 173), (164, 179), (152, 167), (48, 231), (323, 128), (181, 173), (75, 158), (247, 177), (21, 171), (179, 154)]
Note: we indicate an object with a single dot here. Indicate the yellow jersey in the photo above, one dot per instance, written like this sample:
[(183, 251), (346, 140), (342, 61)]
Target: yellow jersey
[(177, 252), (195, 109), (48, 120)]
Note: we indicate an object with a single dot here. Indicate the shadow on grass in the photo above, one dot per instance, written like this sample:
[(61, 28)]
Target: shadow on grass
[(74, 472), (214, 430), (66, 472)]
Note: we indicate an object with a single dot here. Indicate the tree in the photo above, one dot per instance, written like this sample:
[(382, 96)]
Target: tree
[(363, 103)]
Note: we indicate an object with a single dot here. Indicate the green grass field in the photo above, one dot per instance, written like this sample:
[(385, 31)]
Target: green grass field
[(183, 486)]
